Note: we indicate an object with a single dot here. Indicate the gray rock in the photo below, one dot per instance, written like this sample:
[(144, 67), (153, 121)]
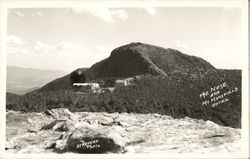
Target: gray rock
[(92, 139), (64, 126), (59, 125), (61, 114)]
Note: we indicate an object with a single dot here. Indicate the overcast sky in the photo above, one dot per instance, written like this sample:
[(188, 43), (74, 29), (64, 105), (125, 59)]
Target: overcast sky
[(69, 38)]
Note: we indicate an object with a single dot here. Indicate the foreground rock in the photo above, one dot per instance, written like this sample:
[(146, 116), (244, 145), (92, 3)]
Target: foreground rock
[(60, 114), (89, 139), (116, 133)]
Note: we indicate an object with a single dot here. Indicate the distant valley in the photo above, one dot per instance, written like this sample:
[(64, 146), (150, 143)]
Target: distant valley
[(22, 80)]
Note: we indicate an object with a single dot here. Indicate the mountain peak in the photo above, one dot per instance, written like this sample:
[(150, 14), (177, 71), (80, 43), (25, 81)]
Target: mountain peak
[(138, 58)]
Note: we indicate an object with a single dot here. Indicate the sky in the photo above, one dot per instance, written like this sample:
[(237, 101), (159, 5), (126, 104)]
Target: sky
[(70, 38)]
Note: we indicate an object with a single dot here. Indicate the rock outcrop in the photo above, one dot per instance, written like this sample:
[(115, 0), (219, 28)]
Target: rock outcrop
[(117, 133), (61, 114)]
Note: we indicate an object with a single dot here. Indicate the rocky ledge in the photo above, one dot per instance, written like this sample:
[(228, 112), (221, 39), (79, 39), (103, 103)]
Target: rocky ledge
[(61, 131)]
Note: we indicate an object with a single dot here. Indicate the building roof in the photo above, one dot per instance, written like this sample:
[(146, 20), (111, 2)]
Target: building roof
[(120, 81), (85, 84)]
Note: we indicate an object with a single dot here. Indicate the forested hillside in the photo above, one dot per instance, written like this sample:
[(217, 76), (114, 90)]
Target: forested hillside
[(177, 95)]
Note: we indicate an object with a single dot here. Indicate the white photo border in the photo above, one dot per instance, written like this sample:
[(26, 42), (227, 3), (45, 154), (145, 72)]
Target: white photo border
[(242, 4)]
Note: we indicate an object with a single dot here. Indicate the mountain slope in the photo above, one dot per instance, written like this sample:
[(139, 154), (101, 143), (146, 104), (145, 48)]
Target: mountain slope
[(62, 83), (136, 59), (22, 80)]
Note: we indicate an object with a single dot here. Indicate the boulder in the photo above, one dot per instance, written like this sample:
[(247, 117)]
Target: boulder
[(61, 114), (59, 125), (64, 126), (92, 139)]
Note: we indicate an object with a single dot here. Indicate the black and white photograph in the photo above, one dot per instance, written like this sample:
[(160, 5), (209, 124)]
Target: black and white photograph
[(125, 79)]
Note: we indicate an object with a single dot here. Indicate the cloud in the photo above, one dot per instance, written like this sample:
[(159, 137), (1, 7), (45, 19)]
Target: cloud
[(67, 46), (20, 14), (70, 55), (150, 10), (99, 12), (86, 54), (60, 49), (63, 46), (40, 46), (104, 13), (11, 39), (119, 13)]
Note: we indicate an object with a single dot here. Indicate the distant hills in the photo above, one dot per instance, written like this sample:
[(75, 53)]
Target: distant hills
[(131, 60), (22, 80)]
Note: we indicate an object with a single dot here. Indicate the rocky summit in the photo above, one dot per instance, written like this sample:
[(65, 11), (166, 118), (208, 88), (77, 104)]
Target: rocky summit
[(60, 131), (139, 58)]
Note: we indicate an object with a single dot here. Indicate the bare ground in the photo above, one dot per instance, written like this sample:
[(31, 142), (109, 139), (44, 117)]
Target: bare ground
[(143, 133)]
